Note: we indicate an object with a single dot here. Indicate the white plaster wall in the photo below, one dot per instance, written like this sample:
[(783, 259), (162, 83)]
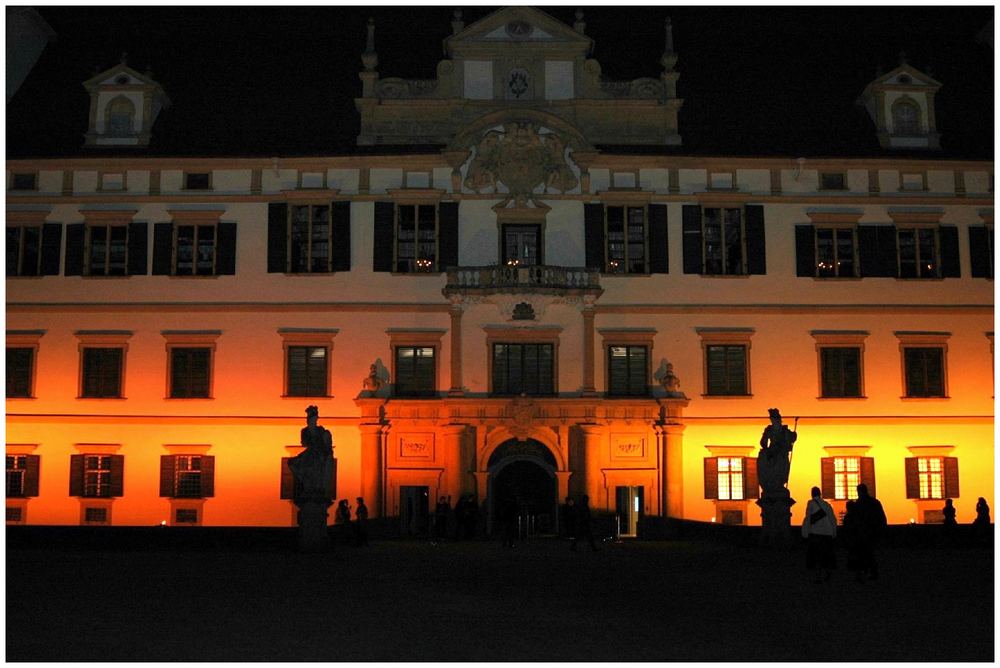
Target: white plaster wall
[(105, 97), (977, 182), (478, 77), (692, 180), (478, 234), (857, 180), (564, 242), (382, 180), (941, 182), (171, 180), (657, 180), (888, 180), (231, 180), (558, 80), (600, 179), (441, 178), (283, 179), (50, 181), (754, 180), (137, 181), (806, 182), (344, 180), (85, 182)]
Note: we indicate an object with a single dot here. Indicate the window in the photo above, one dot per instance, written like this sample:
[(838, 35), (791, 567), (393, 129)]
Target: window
[(726, 369), (195, 250), (722, 234), (107, 250), (628, 370), (931, 477), (722, 181), (415, 371), (523, 368), (310, 239), (840, 371), (197, 181), (626, 240), (20, 372), (307, 371), (186, 516), (24, 250), (416, 238), (918, 252), (190, 373), (832, 181), (846, 477), (120, 118), (196, 243), (22, 475), (23, 181), (924, 372), (94, 515), (730, 478), (913, 181), (522, 245), (836, 252), (95, 475), (187, 476), (905, 118), (102, 372)]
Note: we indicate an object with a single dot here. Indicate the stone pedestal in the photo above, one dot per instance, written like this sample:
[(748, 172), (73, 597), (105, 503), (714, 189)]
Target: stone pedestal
[(313, 533), (776, 518)]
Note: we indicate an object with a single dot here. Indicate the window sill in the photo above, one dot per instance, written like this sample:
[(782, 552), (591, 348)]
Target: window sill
[(436, 272), (27, 276), (837, 278), (102, 398), (624, 274), (199, 276), (727, 396), (724, 275), (919, 278), (909, 399), (309, 273), (189, 398), (307, 396), (841, 398), (105, 276)]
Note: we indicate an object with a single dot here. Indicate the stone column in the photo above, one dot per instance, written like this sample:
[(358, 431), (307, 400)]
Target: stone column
[(371, 468), (672, 439), (456, 351), (588, 350), (451, 457), (593, 448)]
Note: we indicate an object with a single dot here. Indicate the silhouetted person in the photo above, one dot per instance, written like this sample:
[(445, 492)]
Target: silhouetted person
[(869, 527), (361, 523), (508, 518), (441, 518), (343, 520), (948, 512), (982, 522), (819, 528), (471, 517), (583, 528), (569, 518), (460, 517)]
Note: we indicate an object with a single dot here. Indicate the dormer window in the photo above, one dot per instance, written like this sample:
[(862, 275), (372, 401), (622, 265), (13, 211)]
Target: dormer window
[(23, 181), (901, 103), (906, 118), (197, 181), (121, 117)]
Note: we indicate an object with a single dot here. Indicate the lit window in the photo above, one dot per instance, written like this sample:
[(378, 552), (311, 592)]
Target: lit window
[(918, 252), (730, 478), (836, 252), (17, 466), (930, 477), (187, 476), (416, 238), (97, 476), (846, 477), (626, 240), (187, 481)]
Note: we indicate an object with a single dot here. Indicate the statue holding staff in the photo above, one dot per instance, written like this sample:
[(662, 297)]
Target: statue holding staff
[(775, 457)]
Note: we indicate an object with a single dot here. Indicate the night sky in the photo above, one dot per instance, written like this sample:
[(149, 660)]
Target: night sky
[(265, 81)]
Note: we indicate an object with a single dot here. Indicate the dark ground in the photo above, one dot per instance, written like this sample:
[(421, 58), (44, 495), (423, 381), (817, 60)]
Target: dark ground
[(699, 599)]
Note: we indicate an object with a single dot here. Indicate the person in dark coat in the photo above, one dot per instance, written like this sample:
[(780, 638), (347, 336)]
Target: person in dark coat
[(584, 531), (870, 524), (948, 512), (343, 520), (361, 523), (441, 511), (982, 522)]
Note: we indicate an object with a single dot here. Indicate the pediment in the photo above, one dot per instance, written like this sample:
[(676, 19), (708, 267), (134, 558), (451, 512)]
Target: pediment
[(906, 75), (518, 25), (119, 75)]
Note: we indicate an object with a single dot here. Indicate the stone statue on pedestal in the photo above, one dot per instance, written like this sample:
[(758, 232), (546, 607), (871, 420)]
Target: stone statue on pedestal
[(314, 488), (774, 462)]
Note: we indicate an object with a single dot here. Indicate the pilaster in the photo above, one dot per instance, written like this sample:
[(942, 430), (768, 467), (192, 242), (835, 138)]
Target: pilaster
[(456, 351)]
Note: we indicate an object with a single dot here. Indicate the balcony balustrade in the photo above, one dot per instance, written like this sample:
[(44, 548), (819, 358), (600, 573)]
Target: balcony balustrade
[(522, 278)]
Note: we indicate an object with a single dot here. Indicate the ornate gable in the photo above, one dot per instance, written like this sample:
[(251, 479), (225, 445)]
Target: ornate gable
[(901, 103), (124, 105), (516, 25)]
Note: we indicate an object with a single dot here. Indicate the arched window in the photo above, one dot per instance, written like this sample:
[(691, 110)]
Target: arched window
[(120, 117), (906, 118)]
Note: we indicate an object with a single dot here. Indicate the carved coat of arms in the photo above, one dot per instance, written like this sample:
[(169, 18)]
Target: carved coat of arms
[(521, 159)]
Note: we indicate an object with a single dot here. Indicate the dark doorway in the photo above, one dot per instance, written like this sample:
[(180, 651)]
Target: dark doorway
[(522, 245), (533, 489), (629, 508), (414, 510)]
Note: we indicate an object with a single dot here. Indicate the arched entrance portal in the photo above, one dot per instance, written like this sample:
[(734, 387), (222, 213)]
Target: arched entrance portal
[(522, 473)]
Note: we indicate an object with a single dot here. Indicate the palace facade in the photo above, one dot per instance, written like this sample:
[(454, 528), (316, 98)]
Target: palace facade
[(522, 312)]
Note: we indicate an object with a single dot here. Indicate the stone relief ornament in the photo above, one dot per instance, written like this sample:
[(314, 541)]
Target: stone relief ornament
[(521, 159)]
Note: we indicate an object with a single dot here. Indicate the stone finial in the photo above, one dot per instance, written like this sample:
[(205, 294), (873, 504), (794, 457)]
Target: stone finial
[(669, 58), (579, 25), (457, 24), (369, 58)]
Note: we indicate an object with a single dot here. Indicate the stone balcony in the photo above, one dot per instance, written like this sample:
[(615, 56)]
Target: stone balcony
[(541, 279)]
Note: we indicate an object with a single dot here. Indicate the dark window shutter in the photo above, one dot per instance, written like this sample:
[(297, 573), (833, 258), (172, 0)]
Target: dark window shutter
[(593, 233), (385, 222), (447, 235), (979, 252), (74, 250), (868, 473), (207, 476), (877, 250), (951, 477), (805, 253), (32, 466), (756, 243), (751, 486), (286, 490), (340, 221), (138, 248), (711, 478), (51, 247), (76, 475), (225, 250), (912, 481), (691, 232), (658, 256), (168, 465), (826, 478), (117, 475), (277, 238), (950, 264), (163, 248)]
